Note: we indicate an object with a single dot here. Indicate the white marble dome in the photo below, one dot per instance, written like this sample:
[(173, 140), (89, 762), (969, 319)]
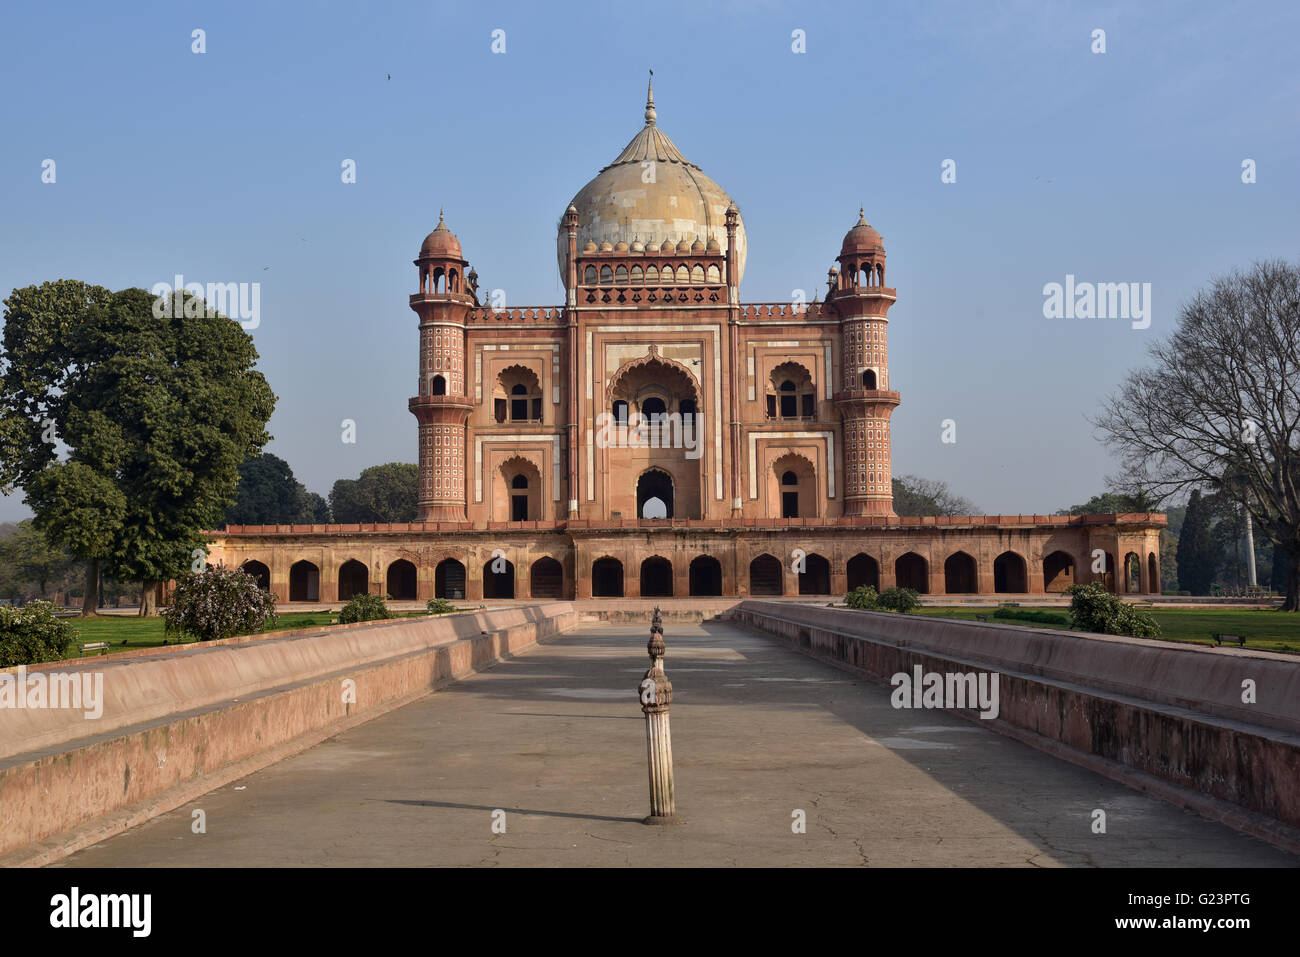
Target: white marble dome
[(681, 205)]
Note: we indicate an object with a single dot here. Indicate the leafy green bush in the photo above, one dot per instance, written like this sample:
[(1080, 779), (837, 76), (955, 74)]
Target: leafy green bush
[(365, 608), (864, 598), (32, 634), (1092, 608), (899, 599), (219, 603), (1041, 617), (439, 606)]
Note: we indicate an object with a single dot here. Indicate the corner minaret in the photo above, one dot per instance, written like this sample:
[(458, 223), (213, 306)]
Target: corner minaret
[(865, 401), (442, 407)]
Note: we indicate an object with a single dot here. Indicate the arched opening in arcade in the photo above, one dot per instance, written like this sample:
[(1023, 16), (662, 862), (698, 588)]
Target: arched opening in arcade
[(1010, 574), (1107, 576), (656, 578), (1153, 573), (304, 582), (607, 578), (705, 576), (449, 579), (498, 578), (354, 579), (546, 578), (912, 571), (261, 574), (765, 576), (863, 570), (959, 574), (815, 578), (1058, 572), (654, 494), (1132, 574), (400, 581)]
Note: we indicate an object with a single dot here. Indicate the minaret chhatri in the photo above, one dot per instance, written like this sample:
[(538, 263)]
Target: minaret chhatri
[(443, 406), (864, 399)]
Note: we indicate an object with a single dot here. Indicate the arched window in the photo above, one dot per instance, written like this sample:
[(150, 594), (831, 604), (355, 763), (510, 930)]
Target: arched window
[(792, 394), (606, 275), (789, 495), (652, 275), (518, 402), (714, 275), (518, 395), (789, 401), (439, 385), (620, 275), (519, 498), (869, 379), (653, 406), (620, 412), (589, 276)]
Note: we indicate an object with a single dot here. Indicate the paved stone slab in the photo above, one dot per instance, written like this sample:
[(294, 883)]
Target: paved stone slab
[(555, 738)]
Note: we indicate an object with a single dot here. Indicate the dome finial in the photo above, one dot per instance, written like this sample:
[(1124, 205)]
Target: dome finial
[(862, 216), (650, 101), (440, 222)]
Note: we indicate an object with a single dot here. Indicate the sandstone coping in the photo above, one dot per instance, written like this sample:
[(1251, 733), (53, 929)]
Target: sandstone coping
[(1159, 716), (179, 722)]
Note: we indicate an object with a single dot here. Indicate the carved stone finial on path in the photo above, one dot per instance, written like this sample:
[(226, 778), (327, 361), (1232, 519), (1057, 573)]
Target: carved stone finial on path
[(656, 696)]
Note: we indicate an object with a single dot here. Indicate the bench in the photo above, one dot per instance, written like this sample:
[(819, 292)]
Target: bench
[(95, 646), (1221, 638)]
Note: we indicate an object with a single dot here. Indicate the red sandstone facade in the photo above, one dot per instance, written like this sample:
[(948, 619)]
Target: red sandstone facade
[(655, 436)]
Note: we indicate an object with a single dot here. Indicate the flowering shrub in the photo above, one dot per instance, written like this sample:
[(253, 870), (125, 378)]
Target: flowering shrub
[(364, 608), (1092, 608), (219, 603), (31, 634)]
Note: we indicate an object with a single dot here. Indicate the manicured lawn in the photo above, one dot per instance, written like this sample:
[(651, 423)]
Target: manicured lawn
[(124, 633), (1266, 629)]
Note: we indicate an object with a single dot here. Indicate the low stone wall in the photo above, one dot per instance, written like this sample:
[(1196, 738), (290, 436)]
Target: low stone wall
[(1135, 709), (180, 721)]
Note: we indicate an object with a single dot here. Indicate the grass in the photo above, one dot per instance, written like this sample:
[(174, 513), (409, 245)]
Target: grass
[(1266, 629), (125, 633)]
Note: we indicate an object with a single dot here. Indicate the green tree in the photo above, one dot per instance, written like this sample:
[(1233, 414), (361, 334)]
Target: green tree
[(33, 556), (1198, 550), (318, 509), (156, 406), (914, 495), (268, 494), (1218, 407), (382, 493), (1113, 503)]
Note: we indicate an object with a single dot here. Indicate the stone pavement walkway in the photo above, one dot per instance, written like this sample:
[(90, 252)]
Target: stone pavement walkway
[(555, 739)]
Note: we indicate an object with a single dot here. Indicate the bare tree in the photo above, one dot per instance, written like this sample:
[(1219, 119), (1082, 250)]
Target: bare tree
[(1219, 409)]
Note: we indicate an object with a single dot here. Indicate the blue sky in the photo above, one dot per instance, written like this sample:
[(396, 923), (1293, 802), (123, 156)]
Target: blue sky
[(1115, 167)]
